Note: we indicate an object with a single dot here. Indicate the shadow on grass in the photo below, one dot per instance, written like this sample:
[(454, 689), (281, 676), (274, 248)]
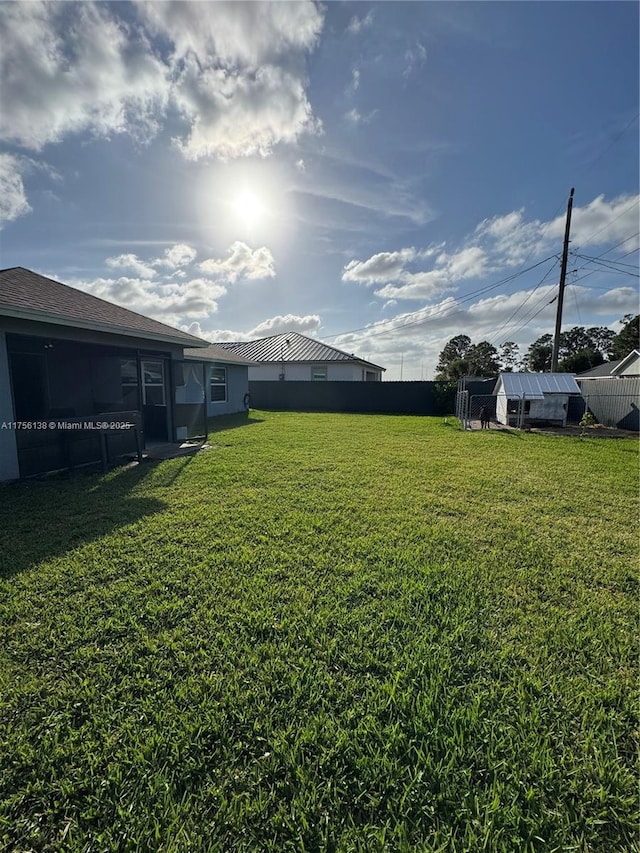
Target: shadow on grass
[(46, 518), (224, 422)]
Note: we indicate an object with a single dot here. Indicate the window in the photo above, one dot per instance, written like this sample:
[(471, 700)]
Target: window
[(153, 383), (371, 376), (218, 385), (319, 374)]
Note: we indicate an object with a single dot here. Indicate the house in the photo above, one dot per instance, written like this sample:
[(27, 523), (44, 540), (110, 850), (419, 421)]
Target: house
[(534, 398), (69, 359), (296, 357), (611, 392)]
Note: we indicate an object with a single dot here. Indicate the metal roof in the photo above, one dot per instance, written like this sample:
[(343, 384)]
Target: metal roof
[(533, 386), (291, 347), (30, 296), (214, 352)]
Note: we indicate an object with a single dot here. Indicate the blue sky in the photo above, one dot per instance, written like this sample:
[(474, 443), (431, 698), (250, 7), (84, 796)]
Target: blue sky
[(381, 176)]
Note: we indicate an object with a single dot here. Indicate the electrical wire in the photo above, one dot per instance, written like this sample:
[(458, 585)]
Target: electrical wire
[(524, 302), (466, 298), (610, 223), (608, 267)]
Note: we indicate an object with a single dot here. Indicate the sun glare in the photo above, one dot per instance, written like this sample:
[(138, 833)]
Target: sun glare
[(248, 207)]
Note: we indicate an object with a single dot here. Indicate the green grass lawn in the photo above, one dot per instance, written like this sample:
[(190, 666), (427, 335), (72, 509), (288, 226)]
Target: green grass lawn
[(327, 633)]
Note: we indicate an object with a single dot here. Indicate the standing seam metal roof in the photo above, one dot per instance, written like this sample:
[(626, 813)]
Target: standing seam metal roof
[(299, 348), (535, 385)]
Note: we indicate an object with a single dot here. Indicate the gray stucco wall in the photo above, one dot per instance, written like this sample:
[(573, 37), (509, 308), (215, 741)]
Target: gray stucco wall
[(8, 450), (237, 387)]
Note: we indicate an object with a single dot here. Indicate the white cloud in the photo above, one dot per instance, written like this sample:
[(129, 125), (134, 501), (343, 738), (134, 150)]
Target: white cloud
[(131, 262), (69, 67), (242, 262), (238, 73), (420, 336), (356, 24), (498, 243), (600, 221), (286, 323), (379, 268), (414, 57), (172, 303), (234, 72), (13, 200), (389, 268), (179, 255), (354, 83), (301, 165), (353, 115)]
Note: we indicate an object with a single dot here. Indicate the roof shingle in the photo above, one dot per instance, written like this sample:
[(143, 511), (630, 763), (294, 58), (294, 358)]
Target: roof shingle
[(27, 294)]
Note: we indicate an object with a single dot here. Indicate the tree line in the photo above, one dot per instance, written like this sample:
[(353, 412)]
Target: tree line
[(580, 349)]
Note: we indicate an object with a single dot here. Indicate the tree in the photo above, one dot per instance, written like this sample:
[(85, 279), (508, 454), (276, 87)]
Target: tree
[(573, 341), (627, 339), (483, 359), (602, 336), (509, 353), (538, 356), (451, 358), (580, 361)]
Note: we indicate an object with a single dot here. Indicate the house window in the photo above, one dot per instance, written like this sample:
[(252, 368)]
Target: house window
[(371, 376), (218, 385), (319, 374), (153, 383)]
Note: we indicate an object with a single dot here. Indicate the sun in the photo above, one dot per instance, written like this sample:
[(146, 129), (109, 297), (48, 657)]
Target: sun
[(248, 207)]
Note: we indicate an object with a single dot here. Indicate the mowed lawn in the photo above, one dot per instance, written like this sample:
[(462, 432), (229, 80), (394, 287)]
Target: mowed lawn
[(327, 633)]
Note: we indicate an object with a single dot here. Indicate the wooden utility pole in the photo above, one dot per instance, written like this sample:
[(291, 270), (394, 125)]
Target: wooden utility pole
[(563, 276)]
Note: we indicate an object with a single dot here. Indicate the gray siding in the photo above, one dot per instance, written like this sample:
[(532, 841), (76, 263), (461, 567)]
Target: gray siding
[(237, 387), (613, 402)]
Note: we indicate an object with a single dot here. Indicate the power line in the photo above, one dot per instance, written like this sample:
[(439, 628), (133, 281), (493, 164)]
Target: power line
[(524, 302), (421, 320), (615, 140), (611, 261), (607, 266), (610, 223)]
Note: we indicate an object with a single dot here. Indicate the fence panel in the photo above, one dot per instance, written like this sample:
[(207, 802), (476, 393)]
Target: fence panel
[(409, 398), (613, 402)]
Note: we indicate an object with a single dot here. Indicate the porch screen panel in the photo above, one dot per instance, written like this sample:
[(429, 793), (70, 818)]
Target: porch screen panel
[(190, 401)]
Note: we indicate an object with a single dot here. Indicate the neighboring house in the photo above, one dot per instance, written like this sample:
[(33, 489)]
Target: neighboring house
[(534, 398), (295, 357), (66, 355), (612, 392)]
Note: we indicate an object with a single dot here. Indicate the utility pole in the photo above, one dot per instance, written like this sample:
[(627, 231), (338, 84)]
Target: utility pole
[(563, 276)]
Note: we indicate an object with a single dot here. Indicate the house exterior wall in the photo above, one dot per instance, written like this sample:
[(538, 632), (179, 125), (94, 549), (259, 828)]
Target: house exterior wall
[(237, 387), (82, 378), (302, 372), (632, 368), (8, 448)]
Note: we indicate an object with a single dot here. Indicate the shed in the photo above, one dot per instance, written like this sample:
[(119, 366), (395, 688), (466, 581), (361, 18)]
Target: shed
[(534, 398)]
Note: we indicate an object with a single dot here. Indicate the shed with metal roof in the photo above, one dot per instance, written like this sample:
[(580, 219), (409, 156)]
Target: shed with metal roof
[(534, 398)]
